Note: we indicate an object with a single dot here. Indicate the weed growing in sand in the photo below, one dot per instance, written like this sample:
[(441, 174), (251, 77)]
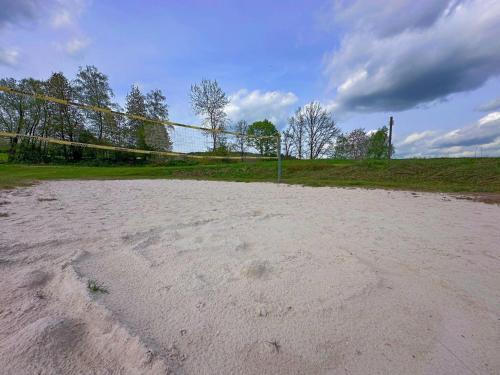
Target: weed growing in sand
[(96, 287), (275, 345), (4, 214), (46, 199)]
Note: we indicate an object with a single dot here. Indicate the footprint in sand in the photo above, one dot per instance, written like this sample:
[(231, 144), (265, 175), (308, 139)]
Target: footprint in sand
[(256, 269), (144, 239), (35, 279)]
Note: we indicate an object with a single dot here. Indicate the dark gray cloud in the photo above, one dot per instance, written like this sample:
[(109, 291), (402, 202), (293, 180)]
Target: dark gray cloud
[(494, 105), (392, 16), (57, 14), (445, 48), (14, 11)]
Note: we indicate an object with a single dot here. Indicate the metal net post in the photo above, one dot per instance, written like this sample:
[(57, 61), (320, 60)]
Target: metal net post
[(278, 148)]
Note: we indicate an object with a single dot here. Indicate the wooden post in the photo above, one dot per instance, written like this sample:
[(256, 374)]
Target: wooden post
[(389, 152)]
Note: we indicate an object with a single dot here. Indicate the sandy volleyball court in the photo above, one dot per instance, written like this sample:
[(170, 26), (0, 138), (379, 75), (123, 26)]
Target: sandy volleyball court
[(233, 278)]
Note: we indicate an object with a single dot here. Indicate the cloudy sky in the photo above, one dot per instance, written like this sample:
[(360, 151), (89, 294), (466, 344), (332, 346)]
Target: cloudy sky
[(434, 65)]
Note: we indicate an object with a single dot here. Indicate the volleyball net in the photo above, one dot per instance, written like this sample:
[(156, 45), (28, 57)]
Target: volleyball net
[(43, 127)]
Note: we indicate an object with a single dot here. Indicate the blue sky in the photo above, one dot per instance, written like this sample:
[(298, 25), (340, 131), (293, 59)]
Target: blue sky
[(433, 65)]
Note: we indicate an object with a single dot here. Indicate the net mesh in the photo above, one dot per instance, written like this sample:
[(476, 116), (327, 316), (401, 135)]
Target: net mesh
[(66, 127)]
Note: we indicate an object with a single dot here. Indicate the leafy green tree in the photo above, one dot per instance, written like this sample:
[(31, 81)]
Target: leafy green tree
[(36, 109), (66, 121), (92, 87), (11, 113), (378, 146), (265, 146), (136, 105), (30, 116), (25, 115), (116, 128), (157, 136), (341, 148)]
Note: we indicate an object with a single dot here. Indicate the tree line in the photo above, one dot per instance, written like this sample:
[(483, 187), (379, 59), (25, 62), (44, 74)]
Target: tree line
[(311, 132), (35, 117)]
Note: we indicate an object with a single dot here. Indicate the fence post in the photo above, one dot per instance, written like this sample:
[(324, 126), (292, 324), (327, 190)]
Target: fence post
[(278, 148), (391, 122)]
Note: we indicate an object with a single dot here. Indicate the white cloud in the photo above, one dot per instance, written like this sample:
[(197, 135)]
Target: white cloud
[(256, 105), (482, 137), (67, 12), (489, 118), (415, 137), (61, 18), (493, 105), (395, 17), (352, 80), (66, 15), (371, 131), (75, 46), (407, 53), (8, 56)]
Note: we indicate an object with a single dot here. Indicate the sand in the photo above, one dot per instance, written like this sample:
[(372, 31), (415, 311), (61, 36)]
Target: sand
[(234, 278)]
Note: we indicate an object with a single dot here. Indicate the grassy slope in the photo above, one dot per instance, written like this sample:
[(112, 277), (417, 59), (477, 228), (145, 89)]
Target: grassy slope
[(450, 175)]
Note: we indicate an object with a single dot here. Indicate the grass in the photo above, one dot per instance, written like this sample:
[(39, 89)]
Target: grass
[(95, 287), (443, 174)]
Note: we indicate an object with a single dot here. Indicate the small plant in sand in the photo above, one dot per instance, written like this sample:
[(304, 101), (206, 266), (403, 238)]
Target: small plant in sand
[(275, 345), (96, 287)]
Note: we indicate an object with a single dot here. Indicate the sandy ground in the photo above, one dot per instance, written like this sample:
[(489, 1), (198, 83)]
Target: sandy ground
[(233, 278)]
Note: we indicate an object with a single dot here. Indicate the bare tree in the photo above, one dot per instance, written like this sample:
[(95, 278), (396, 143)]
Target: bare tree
[(209, 100), (358, 142), (354, 145), (321, 129), (297, 129), (288, 144), (312, 130), (241, 127)]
